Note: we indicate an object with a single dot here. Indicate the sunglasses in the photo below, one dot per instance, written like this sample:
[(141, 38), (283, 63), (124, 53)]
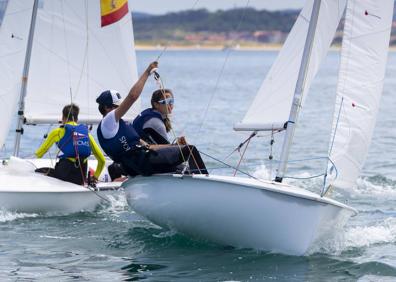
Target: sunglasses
[(167, 101)]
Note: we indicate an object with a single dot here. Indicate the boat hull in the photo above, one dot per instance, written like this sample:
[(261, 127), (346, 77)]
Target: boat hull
[(239, 212), (49, 202), (23, 190)]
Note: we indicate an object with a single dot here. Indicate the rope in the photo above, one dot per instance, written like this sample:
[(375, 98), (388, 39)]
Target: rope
[(222, 70), (167, 42), (230, 166), (66, 46), (248, 174), (271, 156), (241, 144), (75, 144), (301, 178), (217, 80), (158, 79), (244, 151), (331, 149)]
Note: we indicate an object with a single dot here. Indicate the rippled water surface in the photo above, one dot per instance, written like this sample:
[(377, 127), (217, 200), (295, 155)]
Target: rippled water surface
[(114, 243)]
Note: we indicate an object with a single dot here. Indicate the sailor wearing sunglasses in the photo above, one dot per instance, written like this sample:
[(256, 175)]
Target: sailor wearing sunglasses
[(124, 145), (153, 124)]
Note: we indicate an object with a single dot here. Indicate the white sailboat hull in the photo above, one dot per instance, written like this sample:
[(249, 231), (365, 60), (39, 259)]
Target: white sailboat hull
[(49, 202), (240, 212), (23, 190)]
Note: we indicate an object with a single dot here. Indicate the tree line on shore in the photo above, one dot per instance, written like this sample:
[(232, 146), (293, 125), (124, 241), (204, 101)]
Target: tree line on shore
[(221, 27)]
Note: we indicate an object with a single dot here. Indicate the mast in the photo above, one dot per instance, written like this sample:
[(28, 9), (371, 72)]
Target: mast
[(298, 92), (22, 95)]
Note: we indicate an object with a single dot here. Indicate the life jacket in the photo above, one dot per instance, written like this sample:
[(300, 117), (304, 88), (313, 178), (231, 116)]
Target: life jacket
[(141, 119), (75, 142), (124, 141)]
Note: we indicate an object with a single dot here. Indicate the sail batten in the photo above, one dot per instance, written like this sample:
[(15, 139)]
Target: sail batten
[(360, 82), (274, 99)]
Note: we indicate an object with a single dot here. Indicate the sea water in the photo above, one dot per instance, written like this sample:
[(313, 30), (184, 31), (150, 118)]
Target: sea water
[(213, 89)]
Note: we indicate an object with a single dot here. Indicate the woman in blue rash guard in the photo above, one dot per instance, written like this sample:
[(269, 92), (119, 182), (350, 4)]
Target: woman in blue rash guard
[(124, 145), (153, 125)]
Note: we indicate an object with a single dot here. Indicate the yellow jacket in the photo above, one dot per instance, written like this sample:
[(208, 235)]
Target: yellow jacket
[(57, 134)]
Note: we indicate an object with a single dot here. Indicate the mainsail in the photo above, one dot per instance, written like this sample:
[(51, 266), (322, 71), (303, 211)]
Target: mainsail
[(13, 41), (271, 107), (74, 59), (361, 76)]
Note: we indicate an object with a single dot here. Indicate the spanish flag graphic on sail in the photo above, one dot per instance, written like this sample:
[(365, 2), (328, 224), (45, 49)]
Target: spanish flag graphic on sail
[(113, 10)]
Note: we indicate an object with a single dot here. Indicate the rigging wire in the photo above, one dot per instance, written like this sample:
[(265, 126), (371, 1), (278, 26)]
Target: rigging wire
[(222, 70), (220, 75), (341, 85), (157, 77), (216, 84), (226, 165), (67, 52), (244, 151), (167, 42)]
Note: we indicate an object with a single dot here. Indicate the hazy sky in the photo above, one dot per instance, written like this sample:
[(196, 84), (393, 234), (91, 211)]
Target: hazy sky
[(164, 6)]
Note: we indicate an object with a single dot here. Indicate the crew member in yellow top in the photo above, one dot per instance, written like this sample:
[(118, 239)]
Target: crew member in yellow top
[(75, 144)]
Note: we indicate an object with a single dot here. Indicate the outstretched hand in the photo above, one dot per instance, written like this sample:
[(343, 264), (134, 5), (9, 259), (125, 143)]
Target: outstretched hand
[(151, 67), (181, 140), (134, 93)]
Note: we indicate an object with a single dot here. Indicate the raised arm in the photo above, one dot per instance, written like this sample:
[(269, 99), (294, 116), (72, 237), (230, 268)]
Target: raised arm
[(134, 93)]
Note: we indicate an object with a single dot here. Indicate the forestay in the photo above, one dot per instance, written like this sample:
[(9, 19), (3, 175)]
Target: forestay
[(13, 41), (75, 59), (362, 70), (271, 107)]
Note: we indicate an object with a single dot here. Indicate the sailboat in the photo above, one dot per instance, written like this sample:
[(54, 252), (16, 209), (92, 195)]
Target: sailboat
[(247, 212), (53, 53)]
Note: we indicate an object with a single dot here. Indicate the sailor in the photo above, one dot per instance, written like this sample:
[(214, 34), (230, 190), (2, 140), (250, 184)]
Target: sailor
[(75, 146), (123, 144), (153, 126)]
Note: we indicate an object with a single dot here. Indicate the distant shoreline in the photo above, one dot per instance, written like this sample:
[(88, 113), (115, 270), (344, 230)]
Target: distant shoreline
[(269, 47), (146, 47)]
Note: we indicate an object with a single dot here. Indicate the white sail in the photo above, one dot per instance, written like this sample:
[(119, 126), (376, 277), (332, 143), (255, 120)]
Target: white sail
[(75, 59), (13, 41), (361, 75), (271, 107)]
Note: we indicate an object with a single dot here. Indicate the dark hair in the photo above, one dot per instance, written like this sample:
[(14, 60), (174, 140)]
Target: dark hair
[(102, 109), (160, 95), (70, 112)]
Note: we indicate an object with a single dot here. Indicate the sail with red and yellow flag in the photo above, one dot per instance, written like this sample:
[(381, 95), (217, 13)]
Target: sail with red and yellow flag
[(112, 10)]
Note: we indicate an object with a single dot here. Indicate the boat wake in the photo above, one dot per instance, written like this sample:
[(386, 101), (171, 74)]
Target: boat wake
[(364, 236), (357, 237), (6, 216), (375, 186), (263, 172), (116, 203)]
